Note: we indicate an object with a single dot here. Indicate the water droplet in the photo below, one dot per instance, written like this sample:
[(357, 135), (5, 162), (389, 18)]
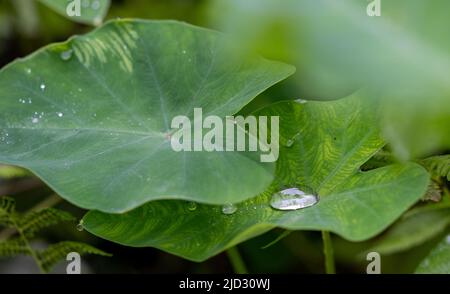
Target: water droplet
[(229, 208), (35, 120), (80, 226), (22, 101), (60, 114), (184, 51), (28, 70), (293, 199), (290, 142), (66, 55), (95, 5), (42, 87), (192, 206), (301, 101), (30, 101)]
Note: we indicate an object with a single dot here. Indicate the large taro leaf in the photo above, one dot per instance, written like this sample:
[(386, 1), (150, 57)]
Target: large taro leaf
[(92, 116), (91, 12), (331, 141)]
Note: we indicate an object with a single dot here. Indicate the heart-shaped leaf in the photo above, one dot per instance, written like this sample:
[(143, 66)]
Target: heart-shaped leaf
[(89, 12), (325, 144), (91, 116)]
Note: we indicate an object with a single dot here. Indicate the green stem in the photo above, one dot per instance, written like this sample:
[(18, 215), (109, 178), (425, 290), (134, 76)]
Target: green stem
[(236, 261), (328, 253)]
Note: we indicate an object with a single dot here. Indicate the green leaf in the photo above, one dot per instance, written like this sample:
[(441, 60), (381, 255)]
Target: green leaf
[(54, 253), (97, 129), (438, 261), (331, 141), (338, 48), (92, 12)]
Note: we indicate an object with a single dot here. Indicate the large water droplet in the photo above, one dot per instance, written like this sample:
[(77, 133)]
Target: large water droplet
[(60, 114), (229, 208), (66, 55), (293, 199), (192, 206), (42, 86)]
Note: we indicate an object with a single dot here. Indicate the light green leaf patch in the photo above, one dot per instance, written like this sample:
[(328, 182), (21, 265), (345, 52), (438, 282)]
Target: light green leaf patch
[(90, 12), (92, 116), (325, 143)]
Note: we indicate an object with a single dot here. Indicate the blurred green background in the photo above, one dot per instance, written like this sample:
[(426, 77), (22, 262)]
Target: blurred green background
[(405, 65)]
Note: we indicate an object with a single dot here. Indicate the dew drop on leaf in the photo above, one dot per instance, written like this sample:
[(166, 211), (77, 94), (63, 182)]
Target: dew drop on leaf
[(60, 114), (293, 199), (229, 209), (66, 55), (35, 120), (42, 87), (192, 206), (290, 142), (95, 5)]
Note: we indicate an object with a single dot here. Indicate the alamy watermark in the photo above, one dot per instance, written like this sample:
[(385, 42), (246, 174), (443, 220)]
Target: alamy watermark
[(374, 8), (214, 134)]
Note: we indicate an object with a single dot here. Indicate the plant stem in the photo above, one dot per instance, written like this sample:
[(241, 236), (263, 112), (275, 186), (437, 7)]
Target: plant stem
[(328, 253), (236, 261)]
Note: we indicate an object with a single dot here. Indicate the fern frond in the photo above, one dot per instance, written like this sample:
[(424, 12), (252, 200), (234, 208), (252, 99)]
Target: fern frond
[(7, 210), (7, 205), (438, 166), (56, 252), (13, 247), (38, 220)]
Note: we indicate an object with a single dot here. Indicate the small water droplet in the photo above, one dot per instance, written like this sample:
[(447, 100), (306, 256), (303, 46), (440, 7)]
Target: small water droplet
[(192, 206), (95, 5), (66, 55), (184, 51), (35, 120), (22, 101), (60, 114), (28, 70), (80, 226), (42, 87), (30, 101), (301, 101), (293, 199), (290, 142), (229, 208)]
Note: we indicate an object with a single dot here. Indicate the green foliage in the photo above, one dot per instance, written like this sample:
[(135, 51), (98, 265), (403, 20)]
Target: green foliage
[(438, 166), (28, 225), (93, 119), (331, 142)]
